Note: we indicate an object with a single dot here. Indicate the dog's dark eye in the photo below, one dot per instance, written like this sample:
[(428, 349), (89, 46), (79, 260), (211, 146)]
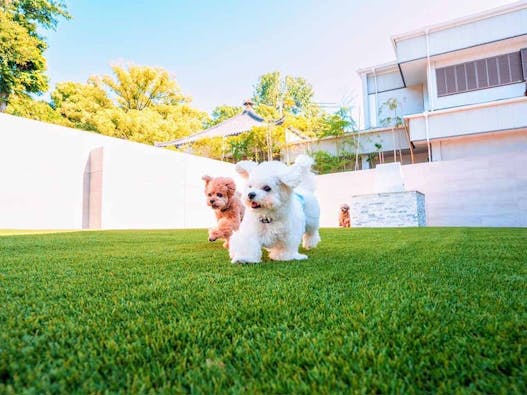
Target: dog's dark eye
[(219, 195), (210, 194), (267, 188)]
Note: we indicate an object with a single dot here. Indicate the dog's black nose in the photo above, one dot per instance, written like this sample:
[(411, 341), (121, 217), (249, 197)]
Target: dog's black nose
[(211, 201), (251, 195)]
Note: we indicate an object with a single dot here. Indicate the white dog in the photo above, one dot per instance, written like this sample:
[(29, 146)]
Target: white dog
[(281, 211)]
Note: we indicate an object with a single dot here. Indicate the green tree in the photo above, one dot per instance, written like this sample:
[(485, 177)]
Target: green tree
[(388, 112), (288, 98), (221, 113), (148, 105), (25, 106), (328, 163), (284, 94), (342, 125), (209, 147), (390, 117), (79, 103), (140, 87), (34, 13), (22, 63)]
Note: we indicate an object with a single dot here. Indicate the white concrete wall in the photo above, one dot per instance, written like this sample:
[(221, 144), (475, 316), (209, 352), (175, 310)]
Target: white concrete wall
[(478, 32), (493, 144), (409, 101), (41, 180), (42, 169), (337, 188), (411, 48), (481, 191), (385, 81), (495, 116), (456, 35)]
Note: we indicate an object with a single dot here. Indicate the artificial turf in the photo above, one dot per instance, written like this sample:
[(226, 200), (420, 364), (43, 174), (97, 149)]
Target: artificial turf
[(428, 310)]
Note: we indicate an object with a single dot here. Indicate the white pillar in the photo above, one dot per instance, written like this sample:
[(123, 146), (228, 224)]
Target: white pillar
[(436, 151), (364, 162), (365, 102)]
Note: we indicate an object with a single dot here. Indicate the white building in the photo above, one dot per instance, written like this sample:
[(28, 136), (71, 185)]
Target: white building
[(459, 90)]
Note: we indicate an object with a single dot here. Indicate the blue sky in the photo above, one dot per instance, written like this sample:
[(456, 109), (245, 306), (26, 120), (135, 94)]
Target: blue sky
[(216, 50)]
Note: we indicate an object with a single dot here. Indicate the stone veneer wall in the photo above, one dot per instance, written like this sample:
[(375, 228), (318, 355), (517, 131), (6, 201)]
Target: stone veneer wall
[(388, 209)]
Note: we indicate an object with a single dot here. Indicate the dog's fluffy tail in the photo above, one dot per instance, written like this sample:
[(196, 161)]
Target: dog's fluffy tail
[(305, 162)]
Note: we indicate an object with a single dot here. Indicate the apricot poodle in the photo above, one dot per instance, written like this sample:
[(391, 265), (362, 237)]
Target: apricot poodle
[(222, 197)]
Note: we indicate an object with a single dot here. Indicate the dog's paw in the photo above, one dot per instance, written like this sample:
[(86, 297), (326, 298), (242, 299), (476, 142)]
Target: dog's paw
[(281, 256), (243, 260), (300, 257), (214, 235), (310, 241)]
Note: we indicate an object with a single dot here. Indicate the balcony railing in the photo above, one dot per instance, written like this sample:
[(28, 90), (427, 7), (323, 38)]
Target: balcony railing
[(492, 116)]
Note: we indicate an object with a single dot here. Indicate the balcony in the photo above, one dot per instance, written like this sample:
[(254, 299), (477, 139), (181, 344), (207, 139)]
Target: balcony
[(509, 114)]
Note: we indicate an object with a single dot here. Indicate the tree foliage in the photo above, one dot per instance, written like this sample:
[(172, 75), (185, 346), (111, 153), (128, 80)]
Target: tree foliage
[(222, 113), (283, 94), (337, 124), (33, 13), (329, 163), (290, 99), (147, 105), (255, 144), (388, 113), (22, 63), (25, 106), (80, 103), (140, 87), (209, 147)]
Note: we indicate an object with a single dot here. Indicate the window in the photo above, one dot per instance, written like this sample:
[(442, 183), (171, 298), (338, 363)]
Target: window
[(484, 73)]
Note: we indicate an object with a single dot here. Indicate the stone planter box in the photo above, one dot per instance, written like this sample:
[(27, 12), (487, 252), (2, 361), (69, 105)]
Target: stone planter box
[(389, 209)]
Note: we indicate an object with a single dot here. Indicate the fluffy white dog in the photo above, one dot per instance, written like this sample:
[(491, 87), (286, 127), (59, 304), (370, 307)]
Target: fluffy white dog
[(281, 211)]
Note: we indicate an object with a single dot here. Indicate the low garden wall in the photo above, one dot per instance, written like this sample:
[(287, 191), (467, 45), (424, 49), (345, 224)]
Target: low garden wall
[(486, 190), (54, 177)]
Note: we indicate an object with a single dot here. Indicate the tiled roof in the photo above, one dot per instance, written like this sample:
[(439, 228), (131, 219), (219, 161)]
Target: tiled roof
[(230, 127)]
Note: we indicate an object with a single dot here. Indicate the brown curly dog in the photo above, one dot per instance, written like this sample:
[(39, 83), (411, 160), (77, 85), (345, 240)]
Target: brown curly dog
[(222, 197)]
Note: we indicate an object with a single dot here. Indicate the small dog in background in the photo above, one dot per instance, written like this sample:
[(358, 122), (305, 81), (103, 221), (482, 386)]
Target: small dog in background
[(282, 211), (344, 216), (225, 201)]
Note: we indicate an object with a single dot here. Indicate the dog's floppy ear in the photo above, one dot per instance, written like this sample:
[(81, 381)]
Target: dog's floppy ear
[(231, 186), (207, 179), (244, 167), (292, 177)]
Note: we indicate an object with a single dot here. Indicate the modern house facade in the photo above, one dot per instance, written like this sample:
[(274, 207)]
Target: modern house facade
[(455, 90)]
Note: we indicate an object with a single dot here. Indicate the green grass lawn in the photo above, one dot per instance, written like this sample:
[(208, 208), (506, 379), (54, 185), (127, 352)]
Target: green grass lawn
[(431, 310), (11, 232)]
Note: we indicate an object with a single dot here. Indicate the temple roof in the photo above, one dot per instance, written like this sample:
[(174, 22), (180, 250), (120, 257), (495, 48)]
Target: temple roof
[(238, 124)]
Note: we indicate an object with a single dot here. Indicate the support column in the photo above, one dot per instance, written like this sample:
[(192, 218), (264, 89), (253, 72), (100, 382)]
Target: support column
[(92, 190), (436, 151)]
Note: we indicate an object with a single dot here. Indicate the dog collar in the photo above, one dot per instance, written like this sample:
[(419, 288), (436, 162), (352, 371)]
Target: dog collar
[(265, 220), (227, 207)]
